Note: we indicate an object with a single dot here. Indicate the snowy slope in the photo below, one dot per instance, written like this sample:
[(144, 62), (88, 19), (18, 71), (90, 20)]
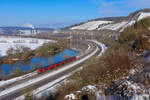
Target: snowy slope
[(140, 17), (143, 15), (117, 24), (99, 25), (90, 25), (127, 25), (110, 25)]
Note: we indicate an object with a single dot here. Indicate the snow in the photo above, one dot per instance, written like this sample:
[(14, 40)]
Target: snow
[(90, 25), (14, 42), (132, 71), (32, 81), (20, 98), (46, 89), (88, 47), (133, 86), (107, 25), (10, 81), (95, 90), (103, 47), (143, 15), (136, 90), (130, 23), (85, 52), (89, 88), (70, 97), (50, 87), (114, 26)]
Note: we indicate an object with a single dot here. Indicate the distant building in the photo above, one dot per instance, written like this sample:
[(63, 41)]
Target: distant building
[(32, 31)]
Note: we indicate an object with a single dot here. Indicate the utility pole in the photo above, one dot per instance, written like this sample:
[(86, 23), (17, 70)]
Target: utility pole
[(70, 41), (78, 40)]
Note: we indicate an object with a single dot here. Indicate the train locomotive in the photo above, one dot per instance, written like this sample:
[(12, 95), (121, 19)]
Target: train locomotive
[(52, 66)]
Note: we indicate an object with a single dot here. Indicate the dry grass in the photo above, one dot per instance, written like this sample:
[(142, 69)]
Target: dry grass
[(133, 32), (116, 63), (104, 71)]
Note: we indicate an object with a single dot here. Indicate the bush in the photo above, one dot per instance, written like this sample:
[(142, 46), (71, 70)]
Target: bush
[(28, 96), (26, 53), (10, 51), (141, 44), (51, 48), (117, 62), (133, 32), (52, 96), (112, 67), (136, 36)]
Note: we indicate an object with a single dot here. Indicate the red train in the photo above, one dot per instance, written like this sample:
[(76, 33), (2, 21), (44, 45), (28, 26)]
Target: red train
[(56, 64)]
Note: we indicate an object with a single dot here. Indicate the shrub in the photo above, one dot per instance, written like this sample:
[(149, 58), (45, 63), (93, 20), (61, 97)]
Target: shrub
[(133, 32), (117, 62), (10, 51), (50, 48), (26, 53), (28, 96), (52, 96), (100, 71)]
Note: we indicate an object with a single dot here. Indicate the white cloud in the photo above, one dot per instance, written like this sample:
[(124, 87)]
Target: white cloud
[(139, 3), (111, 8), (120, 7), (110, 11), (28, 25)]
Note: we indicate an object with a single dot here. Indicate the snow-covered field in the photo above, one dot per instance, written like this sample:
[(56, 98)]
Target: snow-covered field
[(14, 42), (115, 26), (91, 25), (130, 23), (96, 25)]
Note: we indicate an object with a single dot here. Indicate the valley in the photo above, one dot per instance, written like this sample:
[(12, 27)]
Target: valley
[(106, 58)]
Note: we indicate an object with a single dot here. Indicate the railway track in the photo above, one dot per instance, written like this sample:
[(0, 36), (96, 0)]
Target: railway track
[(9, 95), (35, 75)]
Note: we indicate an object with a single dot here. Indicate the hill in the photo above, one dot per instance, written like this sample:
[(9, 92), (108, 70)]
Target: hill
[(112, 23)]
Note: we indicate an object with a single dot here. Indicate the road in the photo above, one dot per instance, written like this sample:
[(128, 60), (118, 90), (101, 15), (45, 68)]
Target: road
[(25, 87)]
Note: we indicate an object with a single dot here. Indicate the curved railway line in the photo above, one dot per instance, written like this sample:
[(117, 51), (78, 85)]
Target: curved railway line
[(23, 86)]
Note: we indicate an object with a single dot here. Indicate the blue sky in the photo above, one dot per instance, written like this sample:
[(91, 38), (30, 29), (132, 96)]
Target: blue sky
[(58, 13)]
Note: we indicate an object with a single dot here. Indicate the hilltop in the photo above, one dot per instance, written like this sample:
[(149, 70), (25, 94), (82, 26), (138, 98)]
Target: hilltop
[(112, 23)]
